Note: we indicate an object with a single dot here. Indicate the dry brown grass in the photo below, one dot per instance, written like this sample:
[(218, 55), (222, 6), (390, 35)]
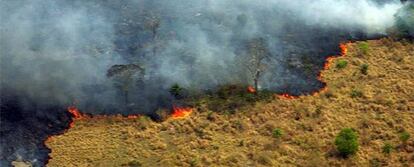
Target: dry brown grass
[(309, 123)]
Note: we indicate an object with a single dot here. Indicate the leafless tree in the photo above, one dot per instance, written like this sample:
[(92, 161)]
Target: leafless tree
[(257, 53), (152, 24), (125, 77)]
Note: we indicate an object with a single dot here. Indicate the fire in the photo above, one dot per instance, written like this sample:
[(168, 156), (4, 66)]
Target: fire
[(76, 114), (181, 112), (133, 116), (344, 49), (328, 62), (251, 89), (287, 96)]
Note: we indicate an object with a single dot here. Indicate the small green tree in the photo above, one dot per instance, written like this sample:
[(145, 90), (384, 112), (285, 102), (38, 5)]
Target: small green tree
[(347, 142), (341, 64), (277, 133), (363, 47), (356, 93), (176, 90), (404, 136), (364, 69), (133, 163), (387, 148)]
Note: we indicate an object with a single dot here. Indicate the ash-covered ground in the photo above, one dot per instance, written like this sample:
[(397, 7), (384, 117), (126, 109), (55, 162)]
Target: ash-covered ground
[(111, 57)]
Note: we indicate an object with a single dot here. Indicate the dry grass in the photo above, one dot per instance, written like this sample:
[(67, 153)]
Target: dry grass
[(309, 124)]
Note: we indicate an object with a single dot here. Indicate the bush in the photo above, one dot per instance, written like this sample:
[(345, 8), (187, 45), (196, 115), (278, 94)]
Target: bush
[(133, 163), (356, 93), (404, 136), (363, 47), (387, 148), (277, 133), (176, 90), (347, 142), (364, 69), (341, 64)]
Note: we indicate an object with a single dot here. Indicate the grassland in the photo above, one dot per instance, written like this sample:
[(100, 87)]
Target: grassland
[(373, 94)]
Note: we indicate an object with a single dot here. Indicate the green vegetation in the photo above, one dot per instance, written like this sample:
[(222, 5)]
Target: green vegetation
[(277, 133), (387, 148), (364, 69), (404, 136), (176, 90), (341, 64), (347, 142), (363, 47), (133, 163), (356, 93), (228, 98)]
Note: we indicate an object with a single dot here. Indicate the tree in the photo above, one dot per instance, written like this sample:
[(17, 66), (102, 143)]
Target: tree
[(347, 142), (277, 133), (125, 77), (404, 136), (257, 52), (152, 24)]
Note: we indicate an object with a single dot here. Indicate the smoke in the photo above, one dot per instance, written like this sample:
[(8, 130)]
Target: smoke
[(56, 52), (59, 51)]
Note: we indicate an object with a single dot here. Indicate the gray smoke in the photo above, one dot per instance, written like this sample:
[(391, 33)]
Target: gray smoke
[(60, 51)]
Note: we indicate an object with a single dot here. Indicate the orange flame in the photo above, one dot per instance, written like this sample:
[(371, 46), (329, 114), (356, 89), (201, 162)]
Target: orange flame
[(287, 96), (251, 89), (76, 114), (344, 49), (181, 112), (328, 62), (133, 116)]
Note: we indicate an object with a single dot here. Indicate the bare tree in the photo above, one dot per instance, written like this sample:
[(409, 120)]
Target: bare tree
[(257, 53), (152, 24), (125, 77)]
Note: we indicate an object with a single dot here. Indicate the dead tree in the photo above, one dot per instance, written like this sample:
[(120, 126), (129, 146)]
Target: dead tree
[(152, 24), (257, 53), (125, 77)]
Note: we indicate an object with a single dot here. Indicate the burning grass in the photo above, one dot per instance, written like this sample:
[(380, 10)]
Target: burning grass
[(309, 123)]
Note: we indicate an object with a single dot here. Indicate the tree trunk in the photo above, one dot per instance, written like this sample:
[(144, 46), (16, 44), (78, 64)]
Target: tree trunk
[(126, 97), (256, 82)]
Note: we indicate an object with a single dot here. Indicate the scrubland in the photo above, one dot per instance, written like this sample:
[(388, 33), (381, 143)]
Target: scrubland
[(373, 93)]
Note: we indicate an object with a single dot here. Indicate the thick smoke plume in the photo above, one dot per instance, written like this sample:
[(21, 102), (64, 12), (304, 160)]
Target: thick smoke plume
[(58, 53)]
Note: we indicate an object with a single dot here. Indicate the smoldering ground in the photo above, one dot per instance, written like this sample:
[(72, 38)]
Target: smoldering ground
[(58, 53)]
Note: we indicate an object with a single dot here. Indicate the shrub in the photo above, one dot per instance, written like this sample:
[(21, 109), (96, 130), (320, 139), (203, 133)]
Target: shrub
[(356, 93), (347, 142), (387, 148), (193, 162), (277, 133), (341, 64), (364, 69), (404, 136), (363, 47), (176, 90), (133, 163)]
